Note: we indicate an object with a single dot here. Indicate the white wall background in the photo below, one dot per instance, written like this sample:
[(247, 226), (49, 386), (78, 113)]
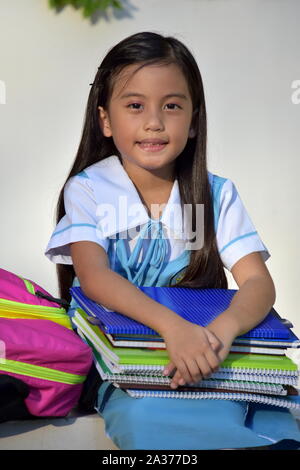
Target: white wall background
[(248, 52)]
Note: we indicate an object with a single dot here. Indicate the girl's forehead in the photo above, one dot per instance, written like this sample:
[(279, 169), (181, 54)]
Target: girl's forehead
[(134, 76)]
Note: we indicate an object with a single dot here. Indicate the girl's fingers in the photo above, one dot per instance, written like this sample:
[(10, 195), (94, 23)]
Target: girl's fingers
[(177, 380), (197, 369), (193, 369), (204, 367), (184, 371), (169, 369), (182, 374), (213, 360)]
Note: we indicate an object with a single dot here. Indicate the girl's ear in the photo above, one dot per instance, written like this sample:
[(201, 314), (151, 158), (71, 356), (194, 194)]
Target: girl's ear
[(193, 127), (192, 133), (104, 122)]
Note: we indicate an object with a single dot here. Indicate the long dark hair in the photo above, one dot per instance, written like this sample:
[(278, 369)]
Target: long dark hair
[(205, 269)]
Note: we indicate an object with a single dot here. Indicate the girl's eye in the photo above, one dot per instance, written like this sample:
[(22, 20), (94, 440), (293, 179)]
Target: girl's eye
[(135, 106), (173, 106)]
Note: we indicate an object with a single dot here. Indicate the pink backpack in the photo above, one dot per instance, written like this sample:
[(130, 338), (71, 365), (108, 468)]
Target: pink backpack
[(49, 357), (22, 298)]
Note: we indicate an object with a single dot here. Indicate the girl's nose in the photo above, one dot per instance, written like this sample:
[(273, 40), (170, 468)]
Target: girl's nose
[(154, 121)]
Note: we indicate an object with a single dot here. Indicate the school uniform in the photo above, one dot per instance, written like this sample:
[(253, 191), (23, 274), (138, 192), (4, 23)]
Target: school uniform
[(103, 206)]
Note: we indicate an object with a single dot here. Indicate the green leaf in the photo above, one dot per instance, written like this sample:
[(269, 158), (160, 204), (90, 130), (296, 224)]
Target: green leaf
[(89, 7), (117, 4)]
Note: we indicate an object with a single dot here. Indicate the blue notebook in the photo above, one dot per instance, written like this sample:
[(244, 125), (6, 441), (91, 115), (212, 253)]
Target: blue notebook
[(198, 306)]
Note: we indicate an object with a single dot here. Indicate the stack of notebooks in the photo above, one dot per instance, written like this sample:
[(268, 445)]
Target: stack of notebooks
[(132, 356)]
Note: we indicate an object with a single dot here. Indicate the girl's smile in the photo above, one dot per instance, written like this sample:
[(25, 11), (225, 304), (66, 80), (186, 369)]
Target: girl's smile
[(152, 145)]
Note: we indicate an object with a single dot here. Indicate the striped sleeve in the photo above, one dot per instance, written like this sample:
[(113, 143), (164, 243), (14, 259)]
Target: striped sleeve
[(78, 224), (236, 234)]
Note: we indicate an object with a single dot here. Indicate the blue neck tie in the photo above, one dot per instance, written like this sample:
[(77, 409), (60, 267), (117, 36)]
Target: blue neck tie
[(152, 264)]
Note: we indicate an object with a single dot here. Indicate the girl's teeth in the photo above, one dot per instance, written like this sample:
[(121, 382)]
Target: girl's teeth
[(150, 144), (154, 147)]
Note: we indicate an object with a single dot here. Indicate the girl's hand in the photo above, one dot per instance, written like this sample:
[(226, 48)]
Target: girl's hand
[(192, 351)]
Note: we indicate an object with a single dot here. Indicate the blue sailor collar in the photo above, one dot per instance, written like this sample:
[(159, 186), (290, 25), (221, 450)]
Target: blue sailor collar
[(119, 206)]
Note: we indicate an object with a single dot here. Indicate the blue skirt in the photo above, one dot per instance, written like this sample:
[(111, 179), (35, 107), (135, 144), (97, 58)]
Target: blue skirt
[(175, 424)]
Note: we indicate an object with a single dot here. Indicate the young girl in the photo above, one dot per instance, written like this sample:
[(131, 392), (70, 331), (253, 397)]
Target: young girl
[(142, 155)]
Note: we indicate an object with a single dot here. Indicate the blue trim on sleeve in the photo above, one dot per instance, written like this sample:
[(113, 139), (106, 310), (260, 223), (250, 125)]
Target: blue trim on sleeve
[(217, 183), (73, 225), (250, 234), (83, 174)]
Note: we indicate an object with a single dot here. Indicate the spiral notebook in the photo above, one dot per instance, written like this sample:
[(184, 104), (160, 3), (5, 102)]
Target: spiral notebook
[(139, 371), (236, 382), (265, 393), (140, 357), (215, 385), (136, 341), (93, 332), (291, 402), (158, 342), (140, 363), (203, 306), (149, 375)]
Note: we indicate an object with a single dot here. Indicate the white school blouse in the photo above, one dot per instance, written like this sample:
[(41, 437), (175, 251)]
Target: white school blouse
[(103, 206)]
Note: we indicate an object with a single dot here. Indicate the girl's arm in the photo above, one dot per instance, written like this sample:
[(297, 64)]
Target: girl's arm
[(193, 358)]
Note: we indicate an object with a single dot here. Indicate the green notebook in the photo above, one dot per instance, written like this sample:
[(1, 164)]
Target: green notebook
[(259, 362), (143, 356), (135, 356)]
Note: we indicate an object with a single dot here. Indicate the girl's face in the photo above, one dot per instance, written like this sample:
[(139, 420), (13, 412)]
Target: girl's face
[(149, 116)]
